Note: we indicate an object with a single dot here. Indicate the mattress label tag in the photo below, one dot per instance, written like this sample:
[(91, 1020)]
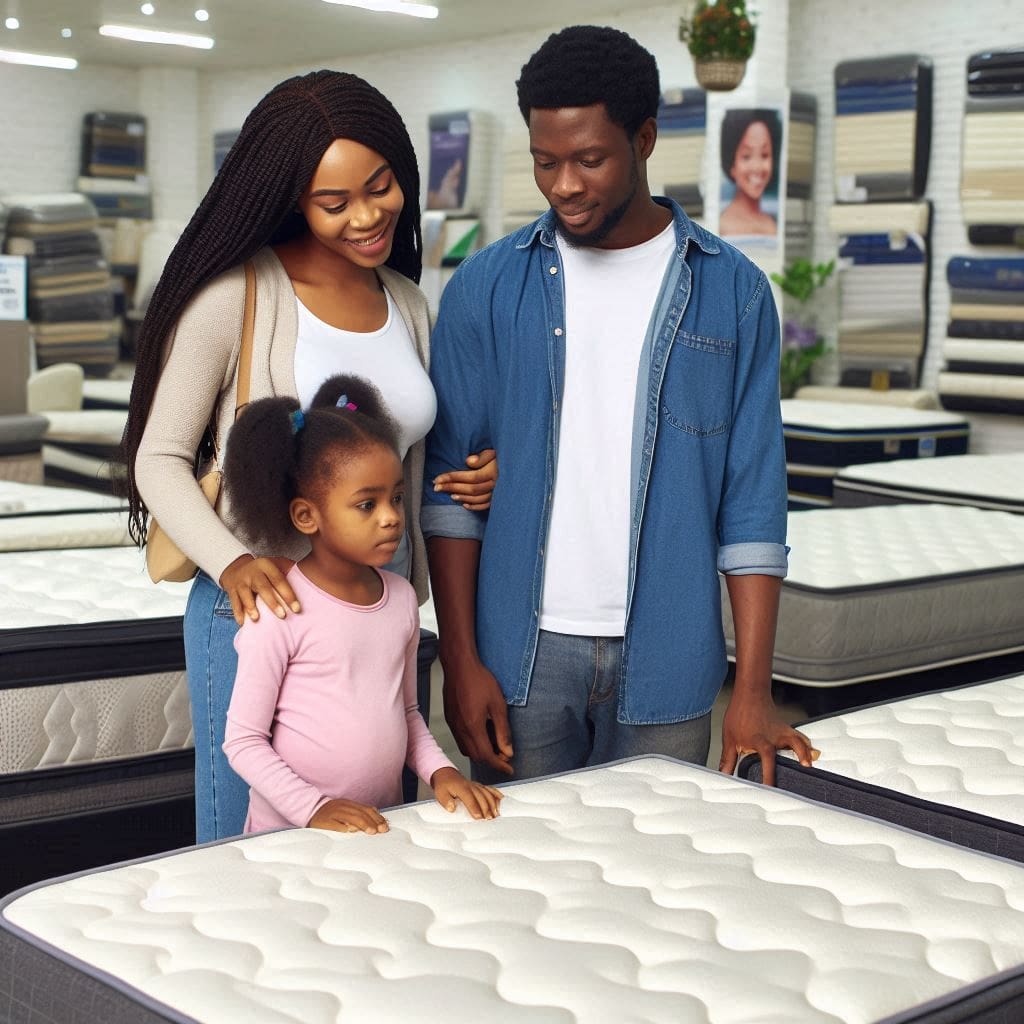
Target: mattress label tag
[(891, 446), (925, 447), (880, 380), (847, 190)]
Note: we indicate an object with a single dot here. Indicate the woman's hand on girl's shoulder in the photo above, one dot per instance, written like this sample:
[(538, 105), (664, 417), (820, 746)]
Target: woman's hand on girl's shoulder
[(451, 786), (246, 577), (348, 816), (472, 488)]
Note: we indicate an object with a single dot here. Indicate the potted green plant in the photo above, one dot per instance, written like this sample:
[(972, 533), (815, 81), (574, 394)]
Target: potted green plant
[(801, 343), (720, 36)]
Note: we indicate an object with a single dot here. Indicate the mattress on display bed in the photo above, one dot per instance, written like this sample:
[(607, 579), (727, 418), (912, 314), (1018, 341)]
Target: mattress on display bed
[(985, 481), (96, 761), (823, 437), (948, 764), (106, 394), (880, 592), (81, 445), (648, 891), (21, 445)]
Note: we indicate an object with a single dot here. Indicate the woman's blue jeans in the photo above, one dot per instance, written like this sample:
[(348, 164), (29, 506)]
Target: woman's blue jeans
[(222, 798)]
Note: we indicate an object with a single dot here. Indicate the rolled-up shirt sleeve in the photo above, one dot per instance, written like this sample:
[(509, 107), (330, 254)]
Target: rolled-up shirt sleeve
[(459, 369), (752, 512)]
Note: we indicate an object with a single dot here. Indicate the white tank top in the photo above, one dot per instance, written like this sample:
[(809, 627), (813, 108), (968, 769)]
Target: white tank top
[(385, 357)]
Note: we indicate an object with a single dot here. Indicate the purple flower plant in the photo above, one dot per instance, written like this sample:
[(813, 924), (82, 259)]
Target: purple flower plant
[(798, 336)]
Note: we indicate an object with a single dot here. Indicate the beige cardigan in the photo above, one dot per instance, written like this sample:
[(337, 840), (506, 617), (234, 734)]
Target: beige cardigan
[(200, 373)]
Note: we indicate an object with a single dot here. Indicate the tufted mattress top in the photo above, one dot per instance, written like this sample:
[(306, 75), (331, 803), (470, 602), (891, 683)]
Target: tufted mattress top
[(645, 891)]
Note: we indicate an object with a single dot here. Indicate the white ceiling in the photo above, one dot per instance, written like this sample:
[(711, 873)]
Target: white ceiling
[(251, 33)]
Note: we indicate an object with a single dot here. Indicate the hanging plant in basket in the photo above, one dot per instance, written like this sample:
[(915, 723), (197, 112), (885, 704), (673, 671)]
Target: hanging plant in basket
[(720, 36)]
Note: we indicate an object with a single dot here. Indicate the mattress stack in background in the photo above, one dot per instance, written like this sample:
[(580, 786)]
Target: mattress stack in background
[(521, 200), (675, 166), (113, 175), (71, 300), (984, 347), (992, 183), (883, 138), (803, 118), (883, 292)]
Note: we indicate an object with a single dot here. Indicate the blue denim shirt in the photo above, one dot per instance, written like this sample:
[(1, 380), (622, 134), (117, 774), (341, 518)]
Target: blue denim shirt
[(708, 475)]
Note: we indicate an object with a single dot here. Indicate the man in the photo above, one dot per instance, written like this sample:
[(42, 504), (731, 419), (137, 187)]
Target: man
[(624, 363)]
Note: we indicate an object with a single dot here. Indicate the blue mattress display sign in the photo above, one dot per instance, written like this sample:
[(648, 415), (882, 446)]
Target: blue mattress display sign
[(449, 160), (13, 287)]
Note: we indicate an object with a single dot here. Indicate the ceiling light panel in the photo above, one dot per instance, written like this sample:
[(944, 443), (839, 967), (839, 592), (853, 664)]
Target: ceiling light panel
[(415, 10), (39, 60), (144, 35)]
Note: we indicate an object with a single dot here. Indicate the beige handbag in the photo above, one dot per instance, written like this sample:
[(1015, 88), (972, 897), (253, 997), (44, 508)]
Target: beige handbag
[(164, 559)]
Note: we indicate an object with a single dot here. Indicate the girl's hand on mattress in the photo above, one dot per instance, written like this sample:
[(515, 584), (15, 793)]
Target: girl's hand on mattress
[(472, 488), (348, 816), (753, 726), (451, 786), (246, 577)]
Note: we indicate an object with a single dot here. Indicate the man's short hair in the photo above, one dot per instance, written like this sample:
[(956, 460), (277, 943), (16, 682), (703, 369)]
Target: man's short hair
[(586, 64)]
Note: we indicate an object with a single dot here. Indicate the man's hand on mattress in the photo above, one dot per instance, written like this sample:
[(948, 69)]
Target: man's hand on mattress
[(246, 577), (452, 787), (753, 726), (348, 816), (477, 714), (472, 487)]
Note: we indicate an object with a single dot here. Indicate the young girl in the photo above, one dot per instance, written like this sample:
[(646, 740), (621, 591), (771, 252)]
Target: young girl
[(321, 192), (324, 714)]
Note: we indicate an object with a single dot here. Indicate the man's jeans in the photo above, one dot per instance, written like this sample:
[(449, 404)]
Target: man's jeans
[(222, 798), (570, 717)]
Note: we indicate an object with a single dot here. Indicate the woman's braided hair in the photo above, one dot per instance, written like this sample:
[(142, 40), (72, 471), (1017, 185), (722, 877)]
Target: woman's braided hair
[(252, 203)]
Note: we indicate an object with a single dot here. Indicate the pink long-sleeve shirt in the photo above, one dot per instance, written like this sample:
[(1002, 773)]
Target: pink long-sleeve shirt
[(324, 704)]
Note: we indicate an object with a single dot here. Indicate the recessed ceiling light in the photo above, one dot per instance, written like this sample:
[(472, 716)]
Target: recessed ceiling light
[(145, 35), (147, 8), (12, 23), (391, 7), (202, 15), (66, 33), (40, 60)]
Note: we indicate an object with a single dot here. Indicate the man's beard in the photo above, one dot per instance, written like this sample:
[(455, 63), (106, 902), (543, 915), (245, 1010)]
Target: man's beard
[(610, 222)]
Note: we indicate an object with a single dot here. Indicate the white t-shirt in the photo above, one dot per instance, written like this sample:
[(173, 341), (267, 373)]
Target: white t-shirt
[(609, 300), (385, 357)]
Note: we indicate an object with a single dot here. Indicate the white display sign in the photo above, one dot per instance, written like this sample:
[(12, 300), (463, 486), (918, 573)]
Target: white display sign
[(13, 287)]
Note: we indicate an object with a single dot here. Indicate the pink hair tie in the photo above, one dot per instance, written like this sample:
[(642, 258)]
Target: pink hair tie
[(344, 403)]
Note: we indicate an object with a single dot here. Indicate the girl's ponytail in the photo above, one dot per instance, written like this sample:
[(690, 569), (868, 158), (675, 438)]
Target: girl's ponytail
[(260, 468)]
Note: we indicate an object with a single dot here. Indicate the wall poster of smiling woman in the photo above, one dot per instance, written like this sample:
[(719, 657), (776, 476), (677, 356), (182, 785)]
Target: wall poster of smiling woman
[(752, 171)]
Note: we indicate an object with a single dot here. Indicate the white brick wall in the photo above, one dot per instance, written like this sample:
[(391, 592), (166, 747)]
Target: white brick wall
[(42, 120), (824, 32)]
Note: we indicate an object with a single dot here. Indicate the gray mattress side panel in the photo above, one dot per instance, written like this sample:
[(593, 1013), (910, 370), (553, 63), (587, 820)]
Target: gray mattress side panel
[(973, 831), (37, 988)]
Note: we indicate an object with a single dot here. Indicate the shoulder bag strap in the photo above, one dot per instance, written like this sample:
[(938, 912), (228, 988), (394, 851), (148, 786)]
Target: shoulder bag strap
[(245, 352)]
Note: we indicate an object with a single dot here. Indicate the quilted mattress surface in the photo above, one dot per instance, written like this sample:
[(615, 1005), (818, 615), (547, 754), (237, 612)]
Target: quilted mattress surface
[(35, 500), (992, 481), (71, 587), (849, 416), (961, 748), (643, 891), (889, 589)]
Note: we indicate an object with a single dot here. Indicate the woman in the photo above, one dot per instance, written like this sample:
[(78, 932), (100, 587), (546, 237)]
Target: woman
[(321, 193), (750, 144)]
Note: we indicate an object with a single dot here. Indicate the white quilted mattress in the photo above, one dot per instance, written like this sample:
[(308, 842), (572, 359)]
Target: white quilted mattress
[(889, 589), (648, 891), (34, 500), (987, 481), (961, 748), (71, 530), (55, 588), (843, 417)]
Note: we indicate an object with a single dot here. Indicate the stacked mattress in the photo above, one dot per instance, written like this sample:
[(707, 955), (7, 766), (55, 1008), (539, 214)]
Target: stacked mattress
[(885, 591), (113, 145), (984, 348), (43, 518), (883, 128), (948, 764), (106, 394), (677, 163), (994, 481), (648, 891), (883, 292), (96, 761), (71, 303), (992, 186), (21, 448), (803, 118), (82, 447), (823, 437)]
